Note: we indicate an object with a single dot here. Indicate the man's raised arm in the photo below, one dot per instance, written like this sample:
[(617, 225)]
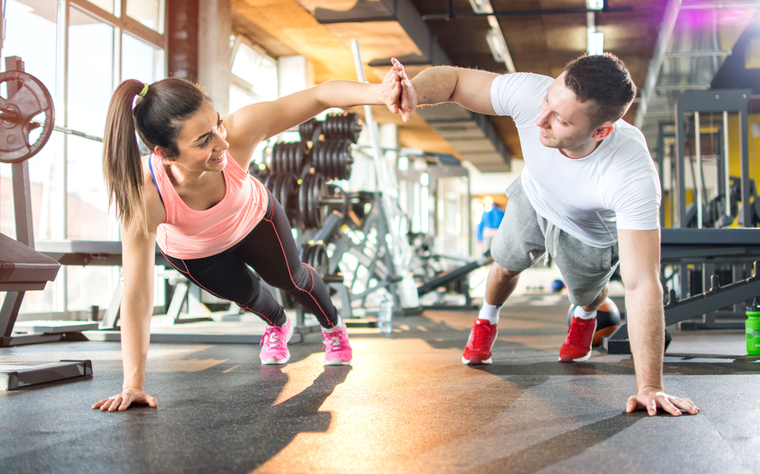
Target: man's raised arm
[(469, 88)]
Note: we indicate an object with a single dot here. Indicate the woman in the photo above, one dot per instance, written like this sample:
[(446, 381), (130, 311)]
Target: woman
[(193, 196)]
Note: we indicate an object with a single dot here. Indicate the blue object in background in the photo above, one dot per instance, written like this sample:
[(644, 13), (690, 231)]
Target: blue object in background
[(491, 219)]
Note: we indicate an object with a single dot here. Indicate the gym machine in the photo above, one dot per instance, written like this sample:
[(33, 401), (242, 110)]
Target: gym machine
[(728, 257), (435, 190)]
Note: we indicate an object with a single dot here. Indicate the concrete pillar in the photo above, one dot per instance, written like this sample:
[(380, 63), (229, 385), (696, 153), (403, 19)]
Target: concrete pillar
[(214, 68), (183, 39)]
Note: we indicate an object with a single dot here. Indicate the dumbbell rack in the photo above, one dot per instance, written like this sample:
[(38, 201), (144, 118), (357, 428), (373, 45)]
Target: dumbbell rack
[(297, 177)]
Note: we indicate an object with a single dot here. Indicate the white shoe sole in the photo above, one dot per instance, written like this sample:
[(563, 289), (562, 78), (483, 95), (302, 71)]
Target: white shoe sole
[(337, 362), (579, 359), (275, 361)]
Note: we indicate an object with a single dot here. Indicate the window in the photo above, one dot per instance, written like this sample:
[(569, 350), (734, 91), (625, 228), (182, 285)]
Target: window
[(148, 12), (254, 76), (84, 49), (254, 79)]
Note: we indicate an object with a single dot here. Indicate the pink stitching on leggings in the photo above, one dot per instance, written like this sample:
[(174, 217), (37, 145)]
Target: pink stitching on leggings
[(187, 273), (291, 275)]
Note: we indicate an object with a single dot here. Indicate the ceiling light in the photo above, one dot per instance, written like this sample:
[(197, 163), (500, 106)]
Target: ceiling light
[(594, 42), (481, 6), (497, 45), (495, 37), (594, 4)]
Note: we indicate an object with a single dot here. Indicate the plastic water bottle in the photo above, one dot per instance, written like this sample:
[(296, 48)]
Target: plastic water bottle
[(752, 326), (385, 314)]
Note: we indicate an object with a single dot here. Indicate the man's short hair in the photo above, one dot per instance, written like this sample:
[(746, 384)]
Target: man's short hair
[(604, 79)]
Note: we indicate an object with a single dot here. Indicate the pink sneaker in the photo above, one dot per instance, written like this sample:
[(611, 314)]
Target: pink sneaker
[(274, 350), (337, 349)]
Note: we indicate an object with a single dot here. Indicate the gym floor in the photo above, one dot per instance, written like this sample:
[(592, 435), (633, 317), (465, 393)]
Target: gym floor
[(406, 405)]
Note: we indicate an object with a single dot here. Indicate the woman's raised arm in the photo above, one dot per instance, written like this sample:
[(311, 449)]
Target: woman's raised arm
[(254, 123)]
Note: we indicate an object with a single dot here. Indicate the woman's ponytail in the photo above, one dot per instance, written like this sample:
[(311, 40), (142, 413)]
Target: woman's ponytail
[(122, 166)]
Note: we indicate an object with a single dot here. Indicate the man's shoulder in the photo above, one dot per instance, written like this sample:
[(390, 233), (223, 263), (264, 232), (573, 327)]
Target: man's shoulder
[(523, 79), (519, 95), (630, 139)]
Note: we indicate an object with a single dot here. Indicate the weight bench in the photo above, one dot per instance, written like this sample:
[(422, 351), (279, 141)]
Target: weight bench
[(108, 253), (703, 246), (23, 269)]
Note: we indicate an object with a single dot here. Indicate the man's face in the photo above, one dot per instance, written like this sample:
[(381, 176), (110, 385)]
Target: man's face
[(564, 121)]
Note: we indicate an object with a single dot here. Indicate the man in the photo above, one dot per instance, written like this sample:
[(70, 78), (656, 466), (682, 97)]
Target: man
[(588, 196), (490, 221)]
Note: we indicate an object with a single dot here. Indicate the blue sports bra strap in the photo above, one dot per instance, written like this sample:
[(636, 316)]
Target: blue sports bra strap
[(150, 165)]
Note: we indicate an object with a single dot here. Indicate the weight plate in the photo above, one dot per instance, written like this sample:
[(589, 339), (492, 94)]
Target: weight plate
[(276, 187), (292, 157), (302, 191), (289, 196), (302, 252), (321, 263), (30, 100), (328, 158), (321, 155), (269, 181), (306, 211), (314, 201), (300, 151), (320, 190), (317, 156)]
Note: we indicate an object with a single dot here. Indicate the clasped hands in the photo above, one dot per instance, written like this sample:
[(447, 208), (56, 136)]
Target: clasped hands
[(398, 93)]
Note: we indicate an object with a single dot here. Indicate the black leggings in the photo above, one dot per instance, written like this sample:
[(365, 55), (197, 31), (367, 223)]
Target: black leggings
[(270, 249)]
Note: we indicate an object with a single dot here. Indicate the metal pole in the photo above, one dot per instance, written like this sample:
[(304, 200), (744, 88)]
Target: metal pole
[(698, 184), (725, 163), (401, 252), (2, 24)]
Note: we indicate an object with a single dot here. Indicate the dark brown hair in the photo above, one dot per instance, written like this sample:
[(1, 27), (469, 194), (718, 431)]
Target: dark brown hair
[(157, 118), (603, 79)]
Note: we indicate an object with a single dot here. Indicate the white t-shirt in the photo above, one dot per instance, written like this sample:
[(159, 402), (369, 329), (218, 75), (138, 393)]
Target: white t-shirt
[(615, 187)]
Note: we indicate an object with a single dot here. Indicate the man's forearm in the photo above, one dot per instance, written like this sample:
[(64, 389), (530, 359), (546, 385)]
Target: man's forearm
[(646, 333)]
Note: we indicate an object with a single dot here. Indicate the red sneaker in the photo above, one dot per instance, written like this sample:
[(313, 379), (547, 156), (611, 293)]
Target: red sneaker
[(580, 335), (478, 348)]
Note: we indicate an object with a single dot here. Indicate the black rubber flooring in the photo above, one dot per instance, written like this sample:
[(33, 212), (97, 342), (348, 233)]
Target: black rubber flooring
[(407, 405)]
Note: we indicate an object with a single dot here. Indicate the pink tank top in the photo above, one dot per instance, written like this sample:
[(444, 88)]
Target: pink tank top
[(188, 233)]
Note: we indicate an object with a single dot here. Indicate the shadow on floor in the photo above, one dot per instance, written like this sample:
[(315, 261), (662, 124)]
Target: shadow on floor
[(559, 448)]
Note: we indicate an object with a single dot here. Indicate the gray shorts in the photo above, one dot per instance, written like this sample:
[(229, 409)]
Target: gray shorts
[(523, 239)]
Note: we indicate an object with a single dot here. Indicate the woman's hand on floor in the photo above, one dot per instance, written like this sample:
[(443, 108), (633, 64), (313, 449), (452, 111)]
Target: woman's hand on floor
[(123, 400)]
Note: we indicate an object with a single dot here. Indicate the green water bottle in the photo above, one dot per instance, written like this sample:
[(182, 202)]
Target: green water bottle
[(752, 326)]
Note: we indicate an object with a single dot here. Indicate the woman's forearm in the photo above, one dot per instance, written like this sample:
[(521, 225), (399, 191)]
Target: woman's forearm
[(135, 338), (344, 94)]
